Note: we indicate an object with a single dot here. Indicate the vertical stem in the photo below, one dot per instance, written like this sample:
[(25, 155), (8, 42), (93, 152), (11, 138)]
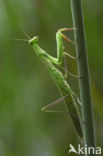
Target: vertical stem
[(84, 82)]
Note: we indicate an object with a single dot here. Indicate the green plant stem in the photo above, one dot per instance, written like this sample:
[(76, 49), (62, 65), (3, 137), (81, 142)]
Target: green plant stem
[(84, 82)]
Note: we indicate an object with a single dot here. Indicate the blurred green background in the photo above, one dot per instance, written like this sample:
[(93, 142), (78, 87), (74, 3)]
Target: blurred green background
[(25, 84)]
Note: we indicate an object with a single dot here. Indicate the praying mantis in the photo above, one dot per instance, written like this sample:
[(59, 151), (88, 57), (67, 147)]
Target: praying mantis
[(67, 95)]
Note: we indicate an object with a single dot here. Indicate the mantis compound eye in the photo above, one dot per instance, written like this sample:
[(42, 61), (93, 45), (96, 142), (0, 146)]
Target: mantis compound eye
[(33, 40)]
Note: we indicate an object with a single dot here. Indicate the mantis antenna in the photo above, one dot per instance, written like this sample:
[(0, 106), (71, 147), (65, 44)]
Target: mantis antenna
[(21, 40), (25, 34), (25, 40)]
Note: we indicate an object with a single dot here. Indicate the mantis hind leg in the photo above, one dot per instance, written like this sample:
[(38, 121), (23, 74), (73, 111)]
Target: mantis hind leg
[(54, 103), (47, 108)]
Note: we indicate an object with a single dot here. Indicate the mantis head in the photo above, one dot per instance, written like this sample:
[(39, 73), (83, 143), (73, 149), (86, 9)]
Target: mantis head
[(34, 40)]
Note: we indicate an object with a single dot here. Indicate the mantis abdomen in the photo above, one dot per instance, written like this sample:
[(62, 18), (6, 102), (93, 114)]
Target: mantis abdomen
[(64, 90)]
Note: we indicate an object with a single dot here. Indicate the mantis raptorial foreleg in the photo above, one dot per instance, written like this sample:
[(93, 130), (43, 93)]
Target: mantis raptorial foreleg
[(60, 47), (64, 36), (68, 40), (60, 51)]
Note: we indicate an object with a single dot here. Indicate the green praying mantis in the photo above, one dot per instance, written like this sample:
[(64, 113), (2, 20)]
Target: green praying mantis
[(67, 95)]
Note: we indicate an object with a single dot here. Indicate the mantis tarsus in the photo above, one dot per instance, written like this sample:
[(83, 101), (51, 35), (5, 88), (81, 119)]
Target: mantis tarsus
[(58, 78)]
